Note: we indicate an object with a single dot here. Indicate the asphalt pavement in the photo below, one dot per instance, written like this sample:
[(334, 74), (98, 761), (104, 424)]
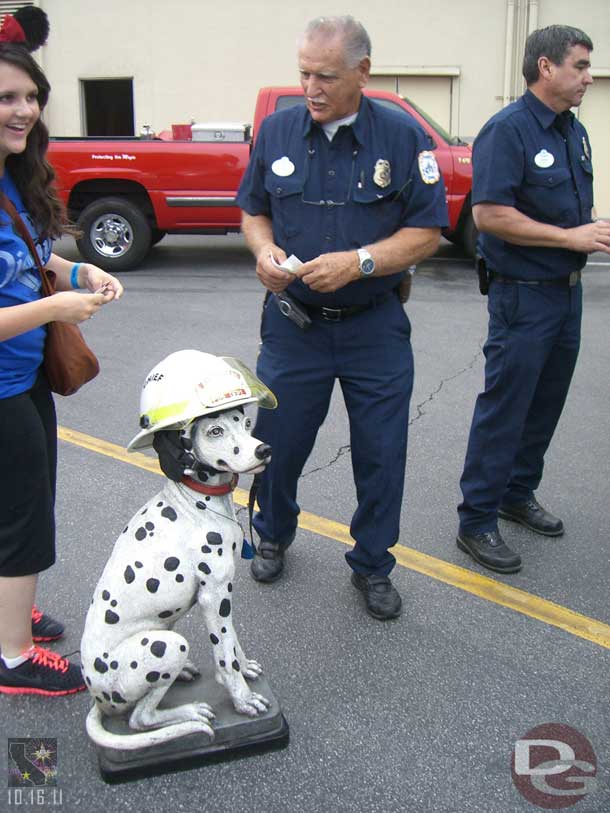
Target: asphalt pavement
[(418, 714)]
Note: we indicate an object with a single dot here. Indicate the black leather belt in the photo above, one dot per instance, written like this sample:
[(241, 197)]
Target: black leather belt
[(569, 281), (338, 314)]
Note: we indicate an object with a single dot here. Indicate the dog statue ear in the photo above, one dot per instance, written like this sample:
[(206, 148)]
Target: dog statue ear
[(173, 458)]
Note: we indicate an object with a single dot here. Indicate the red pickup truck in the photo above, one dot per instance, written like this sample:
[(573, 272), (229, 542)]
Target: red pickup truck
[(126, 194)]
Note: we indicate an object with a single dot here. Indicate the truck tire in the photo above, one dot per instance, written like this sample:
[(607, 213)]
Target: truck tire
[(156, 236), (469, 235), (116, 234)]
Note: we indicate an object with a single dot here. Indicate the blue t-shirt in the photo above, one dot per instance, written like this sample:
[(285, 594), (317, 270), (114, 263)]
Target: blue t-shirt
[(521, 158), (375, 177), (21, 356)]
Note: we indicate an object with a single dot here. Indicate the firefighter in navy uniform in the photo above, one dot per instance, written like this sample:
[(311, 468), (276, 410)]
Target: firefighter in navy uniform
[(354, 192), (533, 202)]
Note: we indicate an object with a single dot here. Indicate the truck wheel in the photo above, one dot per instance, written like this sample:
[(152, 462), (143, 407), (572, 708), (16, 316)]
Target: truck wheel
[(469, 236), (116, 234)]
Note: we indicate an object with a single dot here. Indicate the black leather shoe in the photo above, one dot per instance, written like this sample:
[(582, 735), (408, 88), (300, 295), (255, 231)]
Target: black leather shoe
[(268, 562), (533, 516), (382, 598), (490, 550)]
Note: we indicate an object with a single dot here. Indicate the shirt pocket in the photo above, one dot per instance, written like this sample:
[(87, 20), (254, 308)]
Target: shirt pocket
[(374, 214), (549, 192), (286, 195)]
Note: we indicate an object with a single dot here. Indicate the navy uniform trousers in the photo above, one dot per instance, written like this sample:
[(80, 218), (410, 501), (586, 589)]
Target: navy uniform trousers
[(531, 351), (370, 354)]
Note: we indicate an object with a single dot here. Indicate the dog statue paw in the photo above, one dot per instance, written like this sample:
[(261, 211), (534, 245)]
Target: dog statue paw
[(177, 551)]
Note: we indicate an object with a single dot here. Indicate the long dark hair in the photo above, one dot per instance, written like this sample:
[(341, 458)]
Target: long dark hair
[(33, 175)]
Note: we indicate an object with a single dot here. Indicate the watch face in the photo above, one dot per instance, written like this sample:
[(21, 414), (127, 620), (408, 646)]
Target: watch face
[(367, 266)]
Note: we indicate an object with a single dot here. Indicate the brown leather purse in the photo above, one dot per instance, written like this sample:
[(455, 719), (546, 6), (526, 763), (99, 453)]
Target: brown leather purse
[(68, 361)]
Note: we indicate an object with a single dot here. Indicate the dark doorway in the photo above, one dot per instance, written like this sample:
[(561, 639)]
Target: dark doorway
[(108, 107)]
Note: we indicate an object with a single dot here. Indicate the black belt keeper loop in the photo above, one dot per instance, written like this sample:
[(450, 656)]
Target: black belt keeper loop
[(568, 282)]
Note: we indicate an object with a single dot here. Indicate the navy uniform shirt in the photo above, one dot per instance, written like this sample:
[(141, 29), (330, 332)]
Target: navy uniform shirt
[(324, 196), (522, 159)]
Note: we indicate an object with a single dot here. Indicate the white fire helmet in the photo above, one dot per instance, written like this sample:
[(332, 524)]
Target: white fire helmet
[(188, 384)]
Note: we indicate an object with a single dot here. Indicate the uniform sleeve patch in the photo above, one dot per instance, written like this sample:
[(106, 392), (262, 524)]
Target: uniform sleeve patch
[(428, 168)]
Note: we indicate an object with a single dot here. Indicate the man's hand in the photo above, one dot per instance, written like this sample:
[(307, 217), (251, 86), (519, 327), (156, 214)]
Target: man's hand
[(329, 272), (589, 238), (274, 279)]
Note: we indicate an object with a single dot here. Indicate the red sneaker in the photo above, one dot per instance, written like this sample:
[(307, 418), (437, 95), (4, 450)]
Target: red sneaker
[(44, 672), (45, 628)]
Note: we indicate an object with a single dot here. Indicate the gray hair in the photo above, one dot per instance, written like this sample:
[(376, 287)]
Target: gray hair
[(356, 41), (553, 42)]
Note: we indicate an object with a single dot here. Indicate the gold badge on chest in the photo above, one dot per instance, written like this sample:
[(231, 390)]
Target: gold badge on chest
[(382, 175)]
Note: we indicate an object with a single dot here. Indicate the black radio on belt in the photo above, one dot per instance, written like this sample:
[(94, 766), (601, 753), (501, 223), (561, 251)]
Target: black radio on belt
[(482, 273), (292, 310)]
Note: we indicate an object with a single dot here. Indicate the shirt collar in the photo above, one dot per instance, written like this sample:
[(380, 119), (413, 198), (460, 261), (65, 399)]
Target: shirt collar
[(543, 114), (359, 127)]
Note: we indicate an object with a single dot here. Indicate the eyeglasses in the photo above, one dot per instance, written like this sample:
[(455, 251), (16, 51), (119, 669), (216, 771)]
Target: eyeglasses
[(310, 154)]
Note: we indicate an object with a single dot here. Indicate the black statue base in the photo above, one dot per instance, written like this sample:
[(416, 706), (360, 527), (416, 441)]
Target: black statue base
[(236, 735)]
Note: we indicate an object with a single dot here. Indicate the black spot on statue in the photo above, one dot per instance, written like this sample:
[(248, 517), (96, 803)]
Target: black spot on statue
[(230, 587), (171, 563), (111, 618), (179, 578), (152, 585), (125, 529), (214, 639), (118, 698), (134, 664), (200, 505), (144, 641), (159, 504), (152, 677), (235, 665), (166, 614), (144, 511), (106, 696), (129, 575), (220, 551), (140, 534), (138, 564), (225, 608), (224, 629), (106, 595), (166, 676), (169, 513), (213, 538), (88, 679), (150, 526), (114, 665), (202, 584), (204, 568), (236, 450), (100, 666), (182, 648), (113, 603), (158, 648), (206, 549), (222, 663)]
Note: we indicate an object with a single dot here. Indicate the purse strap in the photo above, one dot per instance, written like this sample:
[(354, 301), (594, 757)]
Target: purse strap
[(25, 235)]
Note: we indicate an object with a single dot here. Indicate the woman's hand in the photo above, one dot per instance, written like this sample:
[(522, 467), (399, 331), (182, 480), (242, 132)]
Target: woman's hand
[(73, 307), (94, 278)]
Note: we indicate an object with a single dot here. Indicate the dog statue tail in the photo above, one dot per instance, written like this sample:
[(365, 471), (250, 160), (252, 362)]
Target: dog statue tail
[(143, 739)]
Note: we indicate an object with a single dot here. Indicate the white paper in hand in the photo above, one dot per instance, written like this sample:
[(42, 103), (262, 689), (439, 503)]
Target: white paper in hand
[(291, 264)]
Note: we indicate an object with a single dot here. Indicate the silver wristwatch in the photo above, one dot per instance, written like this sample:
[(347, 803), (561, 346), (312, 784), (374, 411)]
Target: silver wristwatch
[(367, 263)]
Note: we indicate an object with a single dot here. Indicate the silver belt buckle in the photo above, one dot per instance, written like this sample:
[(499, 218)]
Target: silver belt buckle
[(331, 314), (573, 278)]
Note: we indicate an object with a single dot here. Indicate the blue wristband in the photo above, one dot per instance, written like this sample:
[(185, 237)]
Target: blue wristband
[(74, 275)]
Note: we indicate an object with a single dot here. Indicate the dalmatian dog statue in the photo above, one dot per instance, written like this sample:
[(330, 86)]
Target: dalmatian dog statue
[(177, 551)]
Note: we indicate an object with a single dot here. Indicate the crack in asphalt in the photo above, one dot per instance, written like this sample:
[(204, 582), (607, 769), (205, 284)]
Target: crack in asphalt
[(419, 408)]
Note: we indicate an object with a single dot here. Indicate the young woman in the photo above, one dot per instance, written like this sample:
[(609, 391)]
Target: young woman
[(28, 428)]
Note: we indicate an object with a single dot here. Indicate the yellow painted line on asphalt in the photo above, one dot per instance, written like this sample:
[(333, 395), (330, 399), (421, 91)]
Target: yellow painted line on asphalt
[(482, 586)]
